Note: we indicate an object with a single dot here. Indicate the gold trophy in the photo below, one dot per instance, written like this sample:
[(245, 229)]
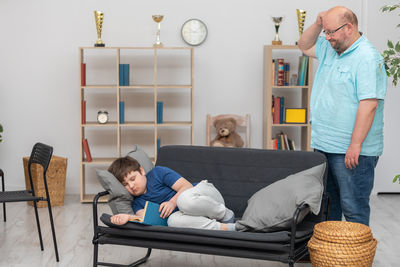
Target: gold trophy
[(277, 21), (158, 19), (301, 17), (98, 17)]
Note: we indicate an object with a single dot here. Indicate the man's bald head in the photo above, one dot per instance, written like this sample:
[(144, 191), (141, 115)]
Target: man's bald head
[(343, 14)]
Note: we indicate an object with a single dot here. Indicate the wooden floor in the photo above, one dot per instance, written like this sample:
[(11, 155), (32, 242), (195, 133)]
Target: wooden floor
[(19, 245)]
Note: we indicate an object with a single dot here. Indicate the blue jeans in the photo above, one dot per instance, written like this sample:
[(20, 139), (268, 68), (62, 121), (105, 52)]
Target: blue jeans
[(349, 190)]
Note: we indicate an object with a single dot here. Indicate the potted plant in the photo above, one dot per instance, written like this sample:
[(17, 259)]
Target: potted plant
[(391, 57)]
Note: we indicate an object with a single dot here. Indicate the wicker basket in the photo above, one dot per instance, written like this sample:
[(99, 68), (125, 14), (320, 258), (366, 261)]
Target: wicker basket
[(340, 243), (56, 175)]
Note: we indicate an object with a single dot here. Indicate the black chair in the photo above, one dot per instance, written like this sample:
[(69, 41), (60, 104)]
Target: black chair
[(41, 154)]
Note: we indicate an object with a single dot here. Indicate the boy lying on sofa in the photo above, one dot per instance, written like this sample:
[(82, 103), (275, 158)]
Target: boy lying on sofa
[(195, 206)]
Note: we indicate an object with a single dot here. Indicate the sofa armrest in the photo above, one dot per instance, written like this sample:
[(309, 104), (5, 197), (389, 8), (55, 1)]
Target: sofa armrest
[(294, 228), (95, 217)]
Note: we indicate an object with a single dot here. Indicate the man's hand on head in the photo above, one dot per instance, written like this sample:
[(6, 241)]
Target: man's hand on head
[(320, 17)]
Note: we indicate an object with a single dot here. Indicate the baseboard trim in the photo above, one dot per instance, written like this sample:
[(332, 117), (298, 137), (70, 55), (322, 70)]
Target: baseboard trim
[(387, 193)]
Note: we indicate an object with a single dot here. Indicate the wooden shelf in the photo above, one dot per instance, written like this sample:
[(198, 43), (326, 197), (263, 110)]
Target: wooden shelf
[(148, 87), (269, 128)]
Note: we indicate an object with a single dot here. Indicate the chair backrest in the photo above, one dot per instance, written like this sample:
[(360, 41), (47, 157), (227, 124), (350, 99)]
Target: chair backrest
[(241, 122), (41, 154)]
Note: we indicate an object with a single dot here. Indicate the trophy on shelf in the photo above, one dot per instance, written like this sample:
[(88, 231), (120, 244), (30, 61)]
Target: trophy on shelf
[(98, 17), (277, 21), (158, 19), (301, 17)]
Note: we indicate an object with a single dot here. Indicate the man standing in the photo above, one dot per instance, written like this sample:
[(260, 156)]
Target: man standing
[(346, 109)]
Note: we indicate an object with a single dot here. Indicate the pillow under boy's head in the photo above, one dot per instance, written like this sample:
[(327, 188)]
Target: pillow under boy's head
[(143, 159), (120, 200), (272, 208)]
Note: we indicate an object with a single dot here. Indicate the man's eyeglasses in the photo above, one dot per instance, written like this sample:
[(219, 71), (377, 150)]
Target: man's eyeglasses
[(330, 33)]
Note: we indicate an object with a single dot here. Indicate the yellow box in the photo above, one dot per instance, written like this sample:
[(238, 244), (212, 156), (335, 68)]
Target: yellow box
[(56, 175), (296, 115)]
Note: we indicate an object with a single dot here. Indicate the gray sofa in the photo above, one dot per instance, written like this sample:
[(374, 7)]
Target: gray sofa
[(237, 174)]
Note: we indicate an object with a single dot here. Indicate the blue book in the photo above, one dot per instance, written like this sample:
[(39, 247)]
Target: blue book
[(121, 74), (126, 74), (151, 215), (158, 144), (160, 112), (122, 112), (281, 109)]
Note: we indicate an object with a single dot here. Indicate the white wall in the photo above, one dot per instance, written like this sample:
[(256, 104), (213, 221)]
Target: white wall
[(39, 74)]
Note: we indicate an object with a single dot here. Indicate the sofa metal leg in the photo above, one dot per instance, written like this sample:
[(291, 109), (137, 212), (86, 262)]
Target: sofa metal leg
[(142, 260), (136, 263)]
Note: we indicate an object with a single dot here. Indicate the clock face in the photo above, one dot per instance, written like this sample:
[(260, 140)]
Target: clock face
[(102, 116), (194, 32)]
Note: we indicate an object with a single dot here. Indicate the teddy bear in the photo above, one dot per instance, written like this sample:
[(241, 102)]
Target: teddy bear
[(226, 135)]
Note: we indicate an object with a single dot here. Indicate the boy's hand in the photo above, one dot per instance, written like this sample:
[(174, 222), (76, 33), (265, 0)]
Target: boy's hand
[(166, 208), (120, 218)]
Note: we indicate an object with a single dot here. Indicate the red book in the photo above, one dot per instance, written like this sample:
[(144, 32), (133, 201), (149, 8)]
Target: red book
[(83, 112), (277, 104), (83, 74), (87, 150), (281, 72)]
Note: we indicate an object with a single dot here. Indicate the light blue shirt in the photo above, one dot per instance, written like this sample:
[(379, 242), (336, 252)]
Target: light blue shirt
[(340, 83)]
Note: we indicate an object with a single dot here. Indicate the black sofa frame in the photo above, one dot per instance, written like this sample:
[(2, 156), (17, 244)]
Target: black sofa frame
[(237, 173)]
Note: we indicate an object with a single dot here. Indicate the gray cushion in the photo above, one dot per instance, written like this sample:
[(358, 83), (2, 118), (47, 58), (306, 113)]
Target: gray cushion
[(143, 159), (272, 208), (120, 200)]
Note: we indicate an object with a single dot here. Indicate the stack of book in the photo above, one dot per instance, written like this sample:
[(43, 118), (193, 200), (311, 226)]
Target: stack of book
[(281, 72), (282, 142)]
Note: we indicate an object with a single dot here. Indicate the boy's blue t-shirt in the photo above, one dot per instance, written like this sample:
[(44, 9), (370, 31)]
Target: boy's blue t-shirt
[(159, 187)]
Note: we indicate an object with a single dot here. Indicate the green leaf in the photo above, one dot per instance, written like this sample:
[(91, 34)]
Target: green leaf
[(397, 47), (390, 44), (384, 8), (397, 177), (391, 52), (396, 61)]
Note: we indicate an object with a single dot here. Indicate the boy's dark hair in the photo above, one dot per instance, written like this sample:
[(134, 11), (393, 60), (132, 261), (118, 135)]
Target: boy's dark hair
[(122, 166)]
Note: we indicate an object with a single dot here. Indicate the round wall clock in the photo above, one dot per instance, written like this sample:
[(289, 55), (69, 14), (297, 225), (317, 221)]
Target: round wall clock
[(194, 32)]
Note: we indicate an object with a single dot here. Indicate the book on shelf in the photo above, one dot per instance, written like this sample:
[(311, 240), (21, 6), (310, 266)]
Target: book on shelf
[(122, 112), (83, 74), (277, 105), (281, 72), (281, 110), (87, 150), (151, 215), (160, 107), (158, 144), (273, 80), (282, 142), (286, 69), (83, 112), (124, 74), (302, 73)]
